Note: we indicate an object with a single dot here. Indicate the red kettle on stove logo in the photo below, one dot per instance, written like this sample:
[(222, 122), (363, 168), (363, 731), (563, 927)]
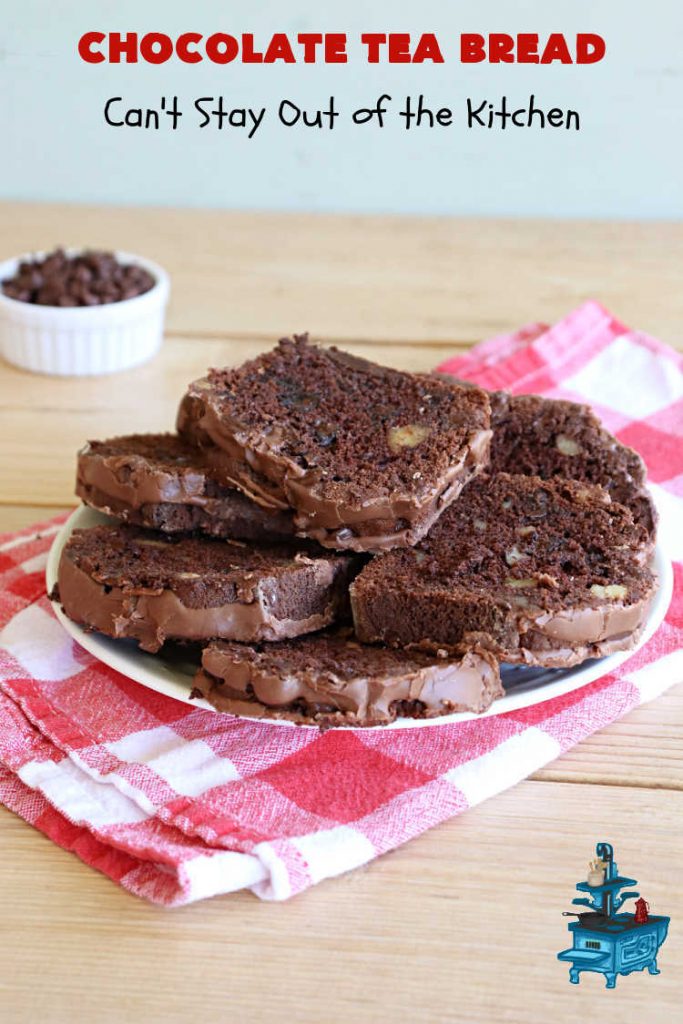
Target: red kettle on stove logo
[(642, 908)]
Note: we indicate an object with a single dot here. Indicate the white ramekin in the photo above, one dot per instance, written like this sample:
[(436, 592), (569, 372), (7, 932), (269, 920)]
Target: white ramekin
[(80, 340)]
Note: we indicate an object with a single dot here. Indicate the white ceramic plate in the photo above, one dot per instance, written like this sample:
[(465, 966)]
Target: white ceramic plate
[(170, 674)]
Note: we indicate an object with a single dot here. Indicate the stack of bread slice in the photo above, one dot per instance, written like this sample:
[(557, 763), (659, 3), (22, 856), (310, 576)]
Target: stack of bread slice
[(351, 543)]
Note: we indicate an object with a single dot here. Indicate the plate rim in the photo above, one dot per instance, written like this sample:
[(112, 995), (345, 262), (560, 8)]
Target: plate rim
[(149, 671)]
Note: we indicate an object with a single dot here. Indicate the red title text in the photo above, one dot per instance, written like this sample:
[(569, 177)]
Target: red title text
[(332, 48)]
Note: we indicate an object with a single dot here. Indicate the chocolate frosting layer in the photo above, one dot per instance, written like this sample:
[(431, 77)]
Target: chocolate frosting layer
[(134, 480), (132, 485), (250, 464), (153, 614), (541, 653), (566, 638), (360, 531), (592, 625), (332, 679), (254, 464), (259, 461)]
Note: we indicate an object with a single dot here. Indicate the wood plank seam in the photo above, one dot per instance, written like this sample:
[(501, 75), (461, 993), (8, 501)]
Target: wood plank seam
[(269, 338), (591, 780)]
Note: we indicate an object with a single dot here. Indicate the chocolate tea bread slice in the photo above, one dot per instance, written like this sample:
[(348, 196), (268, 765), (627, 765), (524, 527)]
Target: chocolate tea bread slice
[(161, 481), (550, 437), (128, 582), (539, 572), (330, 678), (368, 457)]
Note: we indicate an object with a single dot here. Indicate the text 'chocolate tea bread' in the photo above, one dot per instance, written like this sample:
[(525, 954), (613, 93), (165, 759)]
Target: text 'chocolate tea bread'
[(540, 572), (128, 582), (331, 679), (161, 481), (366, 456)]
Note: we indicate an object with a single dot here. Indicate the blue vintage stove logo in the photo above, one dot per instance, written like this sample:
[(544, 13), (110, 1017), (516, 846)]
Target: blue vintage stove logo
[(606, 941)]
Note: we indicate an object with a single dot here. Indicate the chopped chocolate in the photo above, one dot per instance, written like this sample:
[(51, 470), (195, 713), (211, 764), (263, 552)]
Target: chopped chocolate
[(543, 572), (90, 278), (368, 457), (128, 582), (331, 679), (161, 481)]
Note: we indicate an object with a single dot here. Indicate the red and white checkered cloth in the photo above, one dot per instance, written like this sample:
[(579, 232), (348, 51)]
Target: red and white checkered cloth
[(176, 804)]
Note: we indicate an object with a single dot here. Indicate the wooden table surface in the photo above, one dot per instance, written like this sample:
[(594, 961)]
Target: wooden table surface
[(463, 923)]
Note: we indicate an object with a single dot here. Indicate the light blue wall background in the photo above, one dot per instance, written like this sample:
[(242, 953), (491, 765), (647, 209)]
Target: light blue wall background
[(626, 161)]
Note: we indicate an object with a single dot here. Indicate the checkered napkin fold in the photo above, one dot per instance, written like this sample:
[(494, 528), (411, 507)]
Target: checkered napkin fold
[(177, 804)]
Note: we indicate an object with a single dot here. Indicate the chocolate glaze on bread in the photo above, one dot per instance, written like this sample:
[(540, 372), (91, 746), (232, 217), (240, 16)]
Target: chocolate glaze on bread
[(161, 481), (331, 679), (541, 572), (128, 582), (368, 457)]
